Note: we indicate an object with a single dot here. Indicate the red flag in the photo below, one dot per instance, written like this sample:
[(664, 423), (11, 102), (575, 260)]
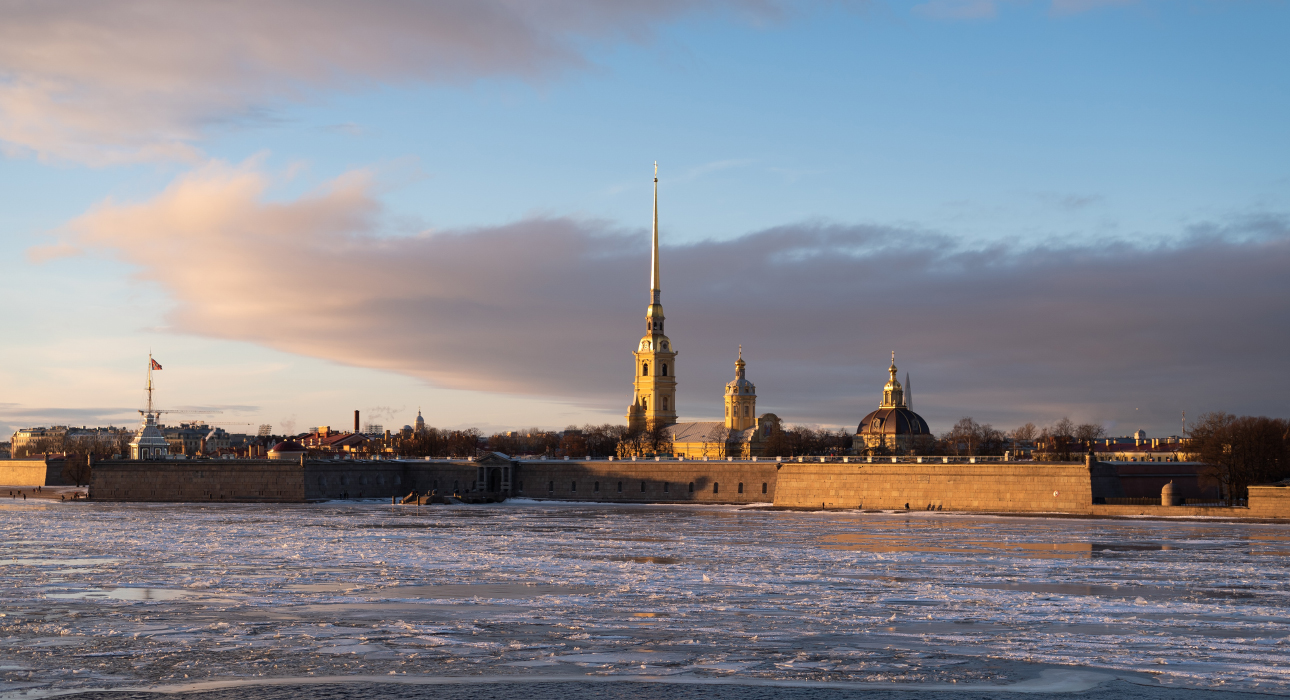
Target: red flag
[(155, 364)]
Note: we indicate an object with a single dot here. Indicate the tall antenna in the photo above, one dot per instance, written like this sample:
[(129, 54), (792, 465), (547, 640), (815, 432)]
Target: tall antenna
[(1184, 421)]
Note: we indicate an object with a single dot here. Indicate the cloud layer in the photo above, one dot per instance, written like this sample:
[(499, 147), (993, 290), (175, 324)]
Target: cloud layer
[(125, 80), (552, 307)]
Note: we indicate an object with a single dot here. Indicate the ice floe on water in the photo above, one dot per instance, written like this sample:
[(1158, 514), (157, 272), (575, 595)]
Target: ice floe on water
[(125, 595)]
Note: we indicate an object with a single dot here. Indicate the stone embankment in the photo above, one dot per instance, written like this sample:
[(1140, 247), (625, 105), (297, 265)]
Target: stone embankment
[(984, 487)]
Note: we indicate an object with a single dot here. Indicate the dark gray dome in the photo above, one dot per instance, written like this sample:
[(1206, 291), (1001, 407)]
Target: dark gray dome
[(893, 421)]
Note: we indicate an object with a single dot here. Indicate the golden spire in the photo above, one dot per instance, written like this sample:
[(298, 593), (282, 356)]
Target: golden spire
[(653, 279)]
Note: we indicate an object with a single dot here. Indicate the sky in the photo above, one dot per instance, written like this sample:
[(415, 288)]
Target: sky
[(1045, 208)]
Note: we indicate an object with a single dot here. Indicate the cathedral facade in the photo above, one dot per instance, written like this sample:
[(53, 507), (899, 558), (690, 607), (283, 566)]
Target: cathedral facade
[(654, 389)]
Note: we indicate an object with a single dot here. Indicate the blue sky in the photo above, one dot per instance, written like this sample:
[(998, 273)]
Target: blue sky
[(1126, 130)]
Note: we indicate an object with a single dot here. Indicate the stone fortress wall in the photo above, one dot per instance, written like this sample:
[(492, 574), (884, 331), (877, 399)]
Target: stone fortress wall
[(991, 486), (995, 487), (274, 480), (627, 481), (32, 472)]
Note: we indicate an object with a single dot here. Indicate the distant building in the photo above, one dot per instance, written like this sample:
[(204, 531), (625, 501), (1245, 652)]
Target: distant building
[(287, 450), (420, 425), (196, 438), (149, 442), (27, 441), (324, 439), (893, 427)]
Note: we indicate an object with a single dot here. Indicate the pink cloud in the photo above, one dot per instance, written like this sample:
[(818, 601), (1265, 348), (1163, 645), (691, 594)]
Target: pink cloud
[(551, 307)]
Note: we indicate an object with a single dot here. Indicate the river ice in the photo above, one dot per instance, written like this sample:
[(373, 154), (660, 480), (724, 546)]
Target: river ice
[(135, 595)]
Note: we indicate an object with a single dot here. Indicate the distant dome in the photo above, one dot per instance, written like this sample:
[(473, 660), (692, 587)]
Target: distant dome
[(287, 446), (896, 420), (894, 425)]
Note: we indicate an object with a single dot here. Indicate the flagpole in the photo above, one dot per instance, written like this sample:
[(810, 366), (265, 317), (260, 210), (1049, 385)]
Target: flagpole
[(149, 383)]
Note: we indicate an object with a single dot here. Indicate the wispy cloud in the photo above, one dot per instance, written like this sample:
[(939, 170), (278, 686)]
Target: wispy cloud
[(958, 9), (699, 171), (547, 306), (130, 80), (1075, 7), (986, 9)]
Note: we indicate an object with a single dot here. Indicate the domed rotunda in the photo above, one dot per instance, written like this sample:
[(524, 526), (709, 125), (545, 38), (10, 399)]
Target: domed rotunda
[(893, 427)]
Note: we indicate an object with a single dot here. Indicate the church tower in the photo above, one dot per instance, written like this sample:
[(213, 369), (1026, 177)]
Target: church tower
[(741, 399), (893, 396), (654, 404)]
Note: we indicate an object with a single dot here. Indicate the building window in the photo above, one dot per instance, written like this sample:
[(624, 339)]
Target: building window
[(596, 487), (664, 403), (455, 487), (550, 486), (691, 487), (519, 486), (645, 369), (741, 487), (763, 487), (573, 486), (746, 410), (642, 487), (716, 488), (645, 403), (664, 369), (665, 485)]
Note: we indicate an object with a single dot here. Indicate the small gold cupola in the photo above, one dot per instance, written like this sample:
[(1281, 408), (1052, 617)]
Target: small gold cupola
[(893, 394)]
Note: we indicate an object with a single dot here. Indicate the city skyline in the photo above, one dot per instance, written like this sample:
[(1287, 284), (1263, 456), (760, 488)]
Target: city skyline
[(1056, 209)]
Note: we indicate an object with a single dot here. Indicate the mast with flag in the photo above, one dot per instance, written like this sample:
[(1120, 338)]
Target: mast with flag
[(152, 364)]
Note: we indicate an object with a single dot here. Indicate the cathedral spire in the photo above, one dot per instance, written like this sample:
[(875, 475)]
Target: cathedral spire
[(653, 278)]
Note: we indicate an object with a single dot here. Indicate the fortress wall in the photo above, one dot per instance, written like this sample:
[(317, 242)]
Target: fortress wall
[(1269, 501), (198, 481), (447, 477), (323, 479), (534, 479), (994, 486), (31, 472)]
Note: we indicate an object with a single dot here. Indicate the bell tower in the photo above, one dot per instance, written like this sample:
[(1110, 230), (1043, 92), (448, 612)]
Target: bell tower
[(654, 402), (741, 399)]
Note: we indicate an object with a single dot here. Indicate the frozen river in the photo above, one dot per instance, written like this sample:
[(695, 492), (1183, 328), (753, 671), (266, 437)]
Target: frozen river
[(101, 596)]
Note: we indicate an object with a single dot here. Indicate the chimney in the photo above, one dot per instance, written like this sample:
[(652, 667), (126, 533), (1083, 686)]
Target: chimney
[(356, 420)]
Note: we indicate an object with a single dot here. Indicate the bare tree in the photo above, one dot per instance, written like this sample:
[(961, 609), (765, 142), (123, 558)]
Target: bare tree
[(1241, 451), (1088, 433), (715, 442), (1025, 433), (1057, 441)]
